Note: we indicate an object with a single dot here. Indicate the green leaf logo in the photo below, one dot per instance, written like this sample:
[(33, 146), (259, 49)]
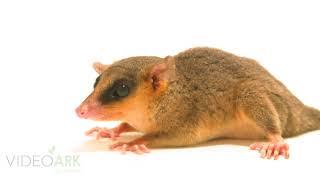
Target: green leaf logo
[(51, 150)]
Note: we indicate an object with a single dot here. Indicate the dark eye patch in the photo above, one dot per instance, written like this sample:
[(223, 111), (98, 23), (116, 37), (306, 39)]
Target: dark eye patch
[(118, 90), (96, 82), (122, 90)]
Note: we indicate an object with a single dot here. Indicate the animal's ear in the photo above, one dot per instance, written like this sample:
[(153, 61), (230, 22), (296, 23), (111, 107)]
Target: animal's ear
[(162, 72), (99, 67)]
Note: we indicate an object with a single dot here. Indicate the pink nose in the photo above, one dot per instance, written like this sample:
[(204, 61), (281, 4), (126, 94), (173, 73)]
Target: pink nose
[(82, 111)]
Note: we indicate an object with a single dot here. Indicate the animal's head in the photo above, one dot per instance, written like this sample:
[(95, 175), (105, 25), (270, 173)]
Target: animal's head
[(124, 88)]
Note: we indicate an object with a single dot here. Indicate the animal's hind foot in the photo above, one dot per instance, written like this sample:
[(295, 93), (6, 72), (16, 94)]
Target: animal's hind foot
[(273, 149)]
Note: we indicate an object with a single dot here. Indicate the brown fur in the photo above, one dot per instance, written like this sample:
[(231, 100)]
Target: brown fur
[(206, 93)]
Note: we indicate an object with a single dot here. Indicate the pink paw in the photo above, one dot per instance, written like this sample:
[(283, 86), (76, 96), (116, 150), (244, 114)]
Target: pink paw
[(103, 133), (138, 148), (271, 149)]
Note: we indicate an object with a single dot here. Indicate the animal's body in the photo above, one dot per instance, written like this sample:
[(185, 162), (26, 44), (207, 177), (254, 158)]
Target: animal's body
[(195, 96)]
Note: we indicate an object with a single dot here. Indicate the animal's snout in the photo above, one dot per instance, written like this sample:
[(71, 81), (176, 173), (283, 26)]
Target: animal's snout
[(82, 111)]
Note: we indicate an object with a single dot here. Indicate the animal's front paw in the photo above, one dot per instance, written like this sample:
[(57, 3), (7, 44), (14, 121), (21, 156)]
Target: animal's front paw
[(104, 133), (271, 149), (134, 146)]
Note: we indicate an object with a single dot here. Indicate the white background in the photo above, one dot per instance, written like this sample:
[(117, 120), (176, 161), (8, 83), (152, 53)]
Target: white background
[(46, 51)]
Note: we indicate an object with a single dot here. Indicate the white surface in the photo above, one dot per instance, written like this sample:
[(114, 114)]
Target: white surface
[(46, 51)]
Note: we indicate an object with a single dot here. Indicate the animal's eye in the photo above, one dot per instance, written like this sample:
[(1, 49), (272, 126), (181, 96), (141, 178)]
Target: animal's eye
[(117, 90), (121, 91)]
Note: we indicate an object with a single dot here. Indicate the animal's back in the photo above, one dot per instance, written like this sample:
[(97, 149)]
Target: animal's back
[(217, 79)]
